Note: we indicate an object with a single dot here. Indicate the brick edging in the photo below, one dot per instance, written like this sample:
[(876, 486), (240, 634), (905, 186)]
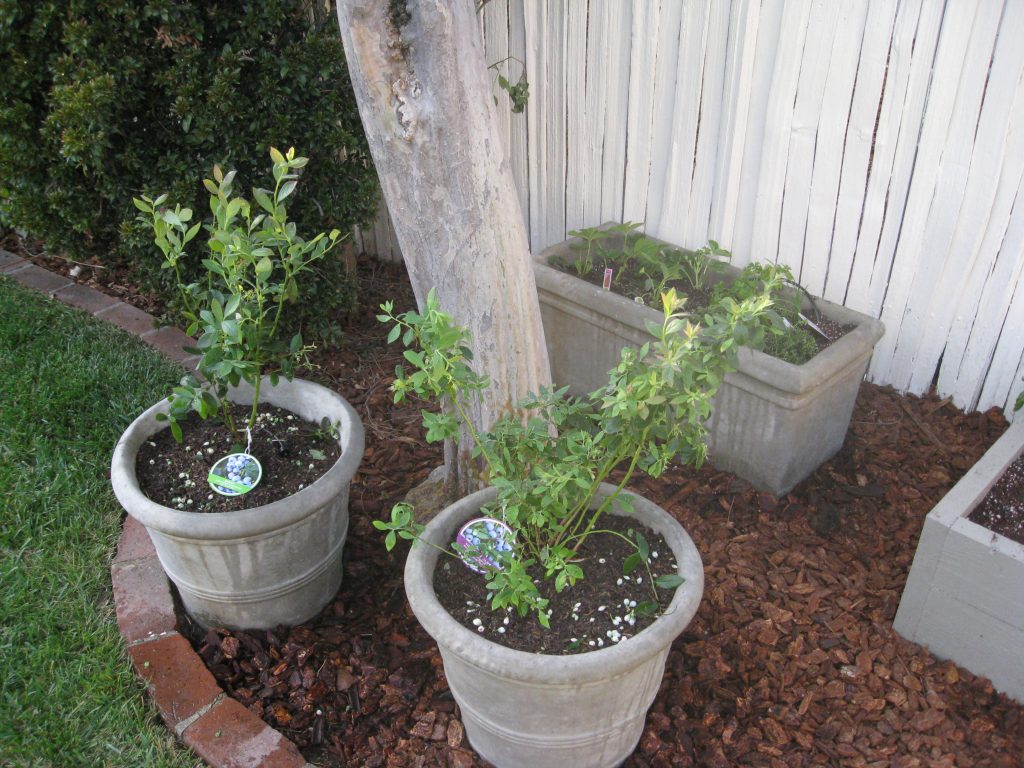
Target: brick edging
[(220, 730)]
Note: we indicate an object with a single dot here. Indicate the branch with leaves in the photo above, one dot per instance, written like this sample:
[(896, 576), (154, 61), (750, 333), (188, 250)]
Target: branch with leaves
[(254, 262)]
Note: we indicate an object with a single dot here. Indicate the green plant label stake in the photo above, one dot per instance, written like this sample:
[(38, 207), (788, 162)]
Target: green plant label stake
[(235, 474)]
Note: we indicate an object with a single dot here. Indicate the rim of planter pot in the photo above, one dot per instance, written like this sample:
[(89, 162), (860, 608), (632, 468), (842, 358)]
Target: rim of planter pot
[(254, 520), (847, 351), (541, 667)]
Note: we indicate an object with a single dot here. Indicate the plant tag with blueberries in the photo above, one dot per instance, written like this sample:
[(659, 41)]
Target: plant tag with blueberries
[(235, 474), (481, 540), (607, 284)]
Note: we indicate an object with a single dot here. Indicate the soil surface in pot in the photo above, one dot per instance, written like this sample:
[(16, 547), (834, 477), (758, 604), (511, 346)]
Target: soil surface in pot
[(790, 661), (1002, 510), (292, 452), (604, 608), (630, 284)]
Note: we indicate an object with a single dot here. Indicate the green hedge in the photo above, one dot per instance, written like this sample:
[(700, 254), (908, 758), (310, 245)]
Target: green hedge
[(102, 100)]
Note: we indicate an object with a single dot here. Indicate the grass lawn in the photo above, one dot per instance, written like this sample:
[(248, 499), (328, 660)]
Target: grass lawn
[(68, 387)]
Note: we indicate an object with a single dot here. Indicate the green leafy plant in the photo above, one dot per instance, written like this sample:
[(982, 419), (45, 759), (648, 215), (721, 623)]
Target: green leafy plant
[(252, 272), (663, 266), (519, 91), (786, 333), (548, 465), (615, 245)]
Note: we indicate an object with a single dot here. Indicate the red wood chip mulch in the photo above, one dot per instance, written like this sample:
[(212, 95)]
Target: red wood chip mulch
[(790, 661)]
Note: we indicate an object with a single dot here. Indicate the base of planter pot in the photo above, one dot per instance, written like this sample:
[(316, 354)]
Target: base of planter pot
[(253, 568), (964, 597), (524, 710), (290, 601)]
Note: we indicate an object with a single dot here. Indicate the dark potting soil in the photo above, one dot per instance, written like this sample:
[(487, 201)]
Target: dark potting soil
[(631, 285), (598, 611), (1002, 510), (293, 453)]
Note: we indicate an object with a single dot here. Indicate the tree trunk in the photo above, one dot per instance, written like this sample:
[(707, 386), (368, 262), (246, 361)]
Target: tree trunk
[(421, 83)]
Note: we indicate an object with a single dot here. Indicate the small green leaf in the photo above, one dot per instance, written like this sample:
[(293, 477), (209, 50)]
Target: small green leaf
[(631, 563), (669, 581), (286, 189), (263, 198)]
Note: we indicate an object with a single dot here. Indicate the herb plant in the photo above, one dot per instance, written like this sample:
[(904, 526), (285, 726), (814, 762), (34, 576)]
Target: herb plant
[(786, 333), (252, 271), (549, 465)]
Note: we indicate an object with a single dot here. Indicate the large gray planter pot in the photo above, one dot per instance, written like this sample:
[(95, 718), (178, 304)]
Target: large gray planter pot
[(254, 568), (546, 711), (964, 597), (773, 423)]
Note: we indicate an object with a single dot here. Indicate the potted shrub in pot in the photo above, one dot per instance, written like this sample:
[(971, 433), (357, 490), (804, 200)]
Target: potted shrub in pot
[(964, 596), (277, 561), (537, 533), (773, 422)]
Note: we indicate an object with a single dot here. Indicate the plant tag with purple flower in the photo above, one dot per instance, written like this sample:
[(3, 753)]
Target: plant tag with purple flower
[(479, 542), (235, 474)]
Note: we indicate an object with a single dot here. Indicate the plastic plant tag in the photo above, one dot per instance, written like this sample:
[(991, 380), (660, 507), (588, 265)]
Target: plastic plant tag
[(479, 540), (607, 284), (235, 474)]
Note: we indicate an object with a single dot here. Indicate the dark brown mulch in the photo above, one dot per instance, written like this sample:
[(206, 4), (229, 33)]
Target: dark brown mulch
[(292, 453), (790, 661), (1002, 510)]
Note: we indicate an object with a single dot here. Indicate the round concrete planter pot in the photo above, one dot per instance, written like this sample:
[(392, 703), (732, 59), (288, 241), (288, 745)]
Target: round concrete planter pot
[(538, 710), (253, 568)]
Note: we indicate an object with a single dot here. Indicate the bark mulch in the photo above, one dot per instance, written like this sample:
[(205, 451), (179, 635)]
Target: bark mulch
[(790, 661)]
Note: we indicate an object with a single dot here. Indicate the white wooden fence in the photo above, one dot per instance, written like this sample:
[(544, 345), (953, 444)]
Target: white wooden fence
[(874, 146)]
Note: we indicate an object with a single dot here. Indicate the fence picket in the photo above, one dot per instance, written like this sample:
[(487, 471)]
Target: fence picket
[(876, 146), (940, 194)]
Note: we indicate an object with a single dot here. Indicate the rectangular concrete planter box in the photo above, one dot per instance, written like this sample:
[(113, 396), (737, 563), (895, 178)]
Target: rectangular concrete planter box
[(964, 597), (772, 423)]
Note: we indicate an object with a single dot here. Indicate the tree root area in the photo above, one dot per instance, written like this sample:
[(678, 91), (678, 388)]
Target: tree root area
[(791, 659)]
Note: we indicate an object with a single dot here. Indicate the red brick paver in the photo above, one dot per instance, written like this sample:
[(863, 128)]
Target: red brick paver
[(170, 341), (135, 543), (179, 682), (142, 597), (9, 261), (230, 736), (40, 279), (127, 317), (84, 297)]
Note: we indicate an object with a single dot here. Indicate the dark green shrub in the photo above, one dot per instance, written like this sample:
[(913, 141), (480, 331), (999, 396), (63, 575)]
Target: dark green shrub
[(103, 100)]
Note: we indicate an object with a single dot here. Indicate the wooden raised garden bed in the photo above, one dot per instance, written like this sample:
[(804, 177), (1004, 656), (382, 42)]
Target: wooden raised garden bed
[(964, 597)]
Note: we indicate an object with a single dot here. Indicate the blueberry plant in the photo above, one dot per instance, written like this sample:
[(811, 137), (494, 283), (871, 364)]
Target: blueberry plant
[(252, 272), (549, 461)]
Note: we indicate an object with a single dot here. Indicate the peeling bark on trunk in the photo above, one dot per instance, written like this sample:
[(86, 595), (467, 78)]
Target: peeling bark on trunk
[(420, 79)]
